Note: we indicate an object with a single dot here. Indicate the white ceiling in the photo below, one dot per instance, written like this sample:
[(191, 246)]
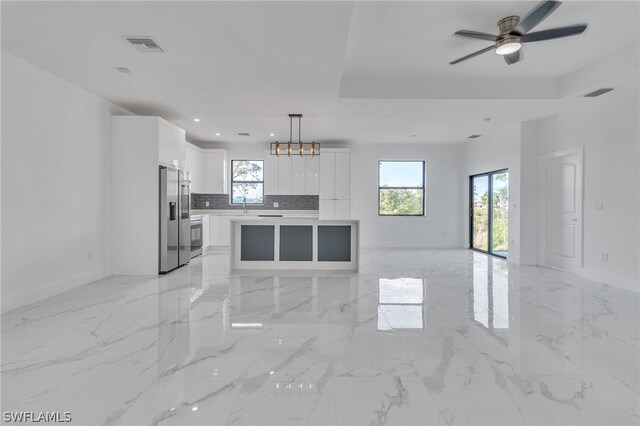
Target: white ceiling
[(365, 72)]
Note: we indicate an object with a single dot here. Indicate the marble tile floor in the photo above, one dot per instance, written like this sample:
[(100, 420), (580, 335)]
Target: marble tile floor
[(418, 337)]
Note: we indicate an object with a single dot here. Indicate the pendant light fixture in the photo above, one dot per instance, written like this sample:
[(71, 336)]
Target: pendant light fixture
[(314, 148)]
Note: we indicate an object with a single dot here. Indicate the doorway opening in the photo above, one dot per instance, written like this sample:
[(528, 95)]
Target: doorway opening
[(489, 212)]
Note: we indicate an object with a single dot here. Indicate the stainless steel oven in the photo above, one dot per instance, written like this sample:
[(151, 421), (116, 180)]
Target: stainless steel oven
[(196, 236)]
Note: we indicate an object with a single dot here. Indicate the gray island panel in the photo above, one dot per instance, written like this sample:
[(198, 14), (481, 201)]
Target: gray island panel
[(334, 243), (257, 242), (296, 243)]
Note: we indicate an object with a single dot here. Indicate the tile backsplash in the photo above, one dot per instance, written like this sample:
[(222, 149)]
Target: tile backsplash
[(285, 202)]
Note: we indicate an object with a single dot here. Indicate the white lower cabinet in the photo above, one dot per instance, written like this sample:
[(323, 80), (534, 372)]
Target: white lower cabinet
[(219, 230), (205, 231), (342, 209), (327, 209), (334, 209)]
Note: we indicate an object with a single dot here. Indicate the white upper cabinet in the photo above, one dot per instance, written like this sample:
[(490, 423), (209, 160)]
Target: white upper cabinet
[(215, 161), (294, 175), (284, 175), (342, 176), (312, 175), (335, 184), (194, 163), (298, 175), (171, 142), (327, 175), (270, 174)]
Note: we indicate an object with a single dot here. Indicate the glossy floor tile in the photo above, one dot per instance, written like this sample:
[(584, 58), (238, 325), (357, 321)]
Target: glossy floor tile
[(418, 337)]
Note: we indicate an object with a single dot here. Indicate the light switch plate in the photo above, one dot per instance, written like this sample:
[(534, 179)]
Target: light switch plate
[(599, 205), (206, 204)]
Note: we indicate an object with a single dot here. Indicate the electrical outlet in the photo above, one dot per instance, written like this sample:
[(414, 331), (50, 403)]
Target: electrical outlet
[(276, 204), (599, 205), (206, 204), (605, 257)]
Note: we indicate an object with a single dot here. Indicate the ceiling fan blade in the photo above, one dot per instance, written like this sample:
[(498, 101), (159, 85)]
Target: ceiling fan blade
[(537, 15), (514, 57), (554, 33), (476, 34), (479, 52)]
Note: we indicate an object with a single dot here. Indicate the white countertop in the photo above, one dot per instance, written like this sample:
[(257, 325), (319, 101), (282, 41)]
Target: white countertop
[(296, 219), (255, 213)]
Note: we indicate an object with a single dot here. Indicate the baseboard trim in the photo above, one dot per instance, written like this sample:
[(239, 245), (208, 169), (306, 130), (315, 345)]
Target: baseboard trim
[(14, 302), (610, 279)]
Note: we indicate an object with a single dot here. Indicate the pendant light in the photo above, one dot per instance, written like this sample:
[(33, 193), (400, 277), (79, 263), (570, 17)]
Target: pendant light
[(314, 147)]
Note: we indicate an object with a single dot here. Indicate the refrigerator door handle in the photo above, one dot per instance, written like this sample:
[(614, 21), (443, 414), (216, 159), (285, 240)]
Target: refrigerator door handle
[(173, 210)]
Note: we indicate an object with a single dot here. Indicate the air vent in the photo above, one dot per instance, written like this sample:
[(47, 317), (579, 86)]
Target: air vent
[(244, 134), (145, 44), (598, 92), (473, 136)]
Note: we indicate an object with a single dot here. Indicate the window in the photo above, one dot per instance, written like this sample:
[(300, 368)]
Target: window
[(401, 188), (247, 181), (489, 208)]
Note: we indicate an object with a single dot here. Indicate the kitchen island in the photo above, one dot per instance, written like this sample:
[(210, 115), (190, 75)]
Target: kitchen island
[(294, 243)]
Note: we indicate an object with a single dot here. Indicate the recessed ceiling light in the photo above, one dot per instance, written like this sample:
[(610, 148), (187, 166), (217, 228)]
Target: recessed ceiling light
[(197, 120), (413, 136), (217, 134), (272, 134), (124, 70), (473, 136), (488, 119)]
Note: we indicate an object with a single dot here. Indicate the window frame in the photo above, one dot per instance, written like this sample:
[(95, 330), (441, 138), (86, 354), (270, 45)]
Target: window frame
[(245, 181), (489, 176), (424, 178)]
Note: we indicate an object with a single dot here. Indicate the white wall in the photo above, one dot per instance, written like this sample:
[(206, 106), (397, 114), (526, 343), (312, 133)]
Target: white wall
[(440, 228), (607, 127), (55, 184), (498, 149)]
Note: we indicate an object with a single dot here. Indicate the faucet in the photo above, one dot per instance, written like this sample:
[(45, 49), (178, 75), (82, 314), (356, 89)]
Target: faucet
[(244, 205)]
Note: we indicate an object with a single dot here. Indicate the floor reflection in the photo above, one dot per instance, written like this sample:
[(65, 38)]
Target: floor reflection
[(490, 291), (401, 304)]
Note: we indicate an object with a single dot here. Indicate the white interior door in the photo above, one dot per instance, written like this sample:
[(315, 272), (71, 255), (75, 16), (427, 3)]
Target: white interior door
[(563, 211)]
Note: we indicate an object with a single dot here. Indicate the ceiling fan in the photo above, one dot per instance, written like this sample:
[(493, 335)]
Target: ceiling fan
[(515, 31)]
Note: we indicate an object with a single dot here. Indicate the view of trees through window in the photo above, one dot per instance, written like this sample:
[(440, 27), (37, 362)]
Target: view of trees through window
[(247, 181), (401, 188), (490, 198)]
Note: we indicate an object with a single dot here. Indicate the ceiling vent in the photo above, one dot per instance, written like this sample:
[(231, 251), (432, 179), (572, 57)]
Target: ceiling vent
[(145, 44), (598, 92), (473, 136), (244, 134)]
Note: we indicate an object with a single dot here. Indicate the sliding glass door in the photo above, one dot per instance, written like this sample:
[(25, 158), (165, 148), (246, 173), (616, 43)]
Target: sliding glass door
[(489, 212)]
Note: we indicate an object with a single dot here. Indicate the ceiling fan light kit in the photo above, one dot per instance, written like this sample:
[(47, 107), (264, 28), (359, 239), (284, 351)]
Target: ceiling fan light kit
[(508, 45), (515, 31)]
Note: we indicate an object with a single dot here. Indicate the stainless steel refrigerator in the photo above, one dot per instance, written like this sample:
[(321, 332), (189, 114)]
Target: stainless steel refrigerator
[(175, 223)]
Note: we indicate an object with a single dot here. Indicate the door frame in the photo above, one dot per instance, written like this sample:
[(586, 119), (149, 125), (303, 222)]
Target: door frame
[(542, 206), (489, 215)]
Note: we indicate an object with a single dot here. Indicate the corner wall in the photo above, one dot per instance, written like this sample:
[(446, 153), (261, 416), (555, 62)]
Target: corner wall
[(607, 127), (55, 184)]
